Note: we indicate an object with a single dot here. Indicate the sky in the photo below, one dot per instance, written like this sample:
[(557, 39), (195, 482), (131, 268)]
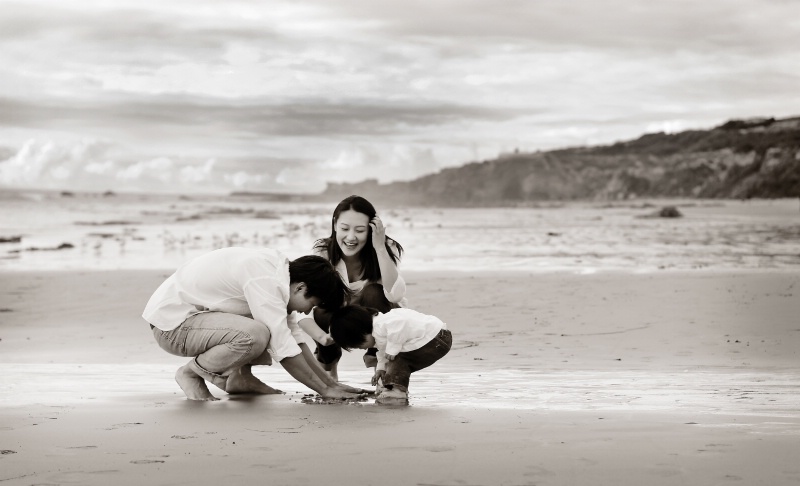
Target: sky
[(285, 96)]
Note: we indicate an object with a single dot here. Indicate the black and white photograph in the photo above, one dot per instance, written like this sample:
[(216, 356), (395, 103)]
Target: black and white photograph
[(422, 243)]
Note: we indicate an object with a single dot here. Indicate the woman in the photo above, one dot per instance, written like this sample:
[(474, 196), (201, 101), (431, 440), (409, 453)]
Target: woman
[(367, 261)]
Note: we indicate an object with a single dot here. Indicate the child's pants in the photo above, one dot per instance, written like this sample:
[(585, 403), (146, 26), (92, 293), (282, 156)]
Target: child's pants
[(398, 371)]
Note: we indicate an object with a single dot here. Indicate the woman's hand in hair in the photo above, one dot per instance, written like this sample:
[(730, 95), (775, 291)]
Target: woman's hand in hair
[(378, 233)]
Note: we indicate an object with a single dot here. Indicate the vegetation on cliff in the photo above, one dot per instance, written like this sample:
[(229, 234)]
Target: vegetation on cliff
[(757, 158)]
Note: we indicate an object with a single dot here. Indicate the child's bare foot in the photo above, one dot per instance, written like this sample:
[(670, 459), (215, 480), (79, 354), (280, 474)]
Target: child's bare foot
[(243, 381), (192, 385), (379, 388), (392, 397)]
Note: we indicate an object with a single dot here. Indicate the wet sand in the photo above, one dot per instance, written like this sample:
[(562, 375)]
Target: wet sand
[(614, 378)]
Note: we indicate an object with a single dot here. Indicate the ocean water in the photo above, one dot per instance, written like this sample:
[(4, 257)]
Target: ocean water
[(124, 231), (696, 393)]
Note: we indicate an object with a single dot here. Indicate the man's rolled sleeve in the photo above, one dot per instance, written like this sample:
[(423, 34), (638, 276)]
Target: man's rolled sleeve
[(294, 327), (267, 300)]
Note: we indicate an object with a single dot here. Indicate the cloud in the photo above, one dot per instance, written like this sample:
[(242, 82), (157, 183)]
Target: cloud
[(159, 169), (288, 95), (27, 166), (86, 166), (197, 174), (51, 164), (242, 180), (711, 26), (358, 162)]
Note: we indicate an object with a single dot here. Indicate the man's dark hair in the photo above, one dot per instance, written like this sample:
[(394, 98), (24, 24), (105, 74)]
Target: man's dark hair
[(321, 279), (350, 325)]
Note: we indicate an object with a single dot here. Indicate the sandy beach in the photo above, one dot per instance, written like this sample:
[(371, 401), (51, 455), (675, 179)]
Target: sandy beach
[(554, 379)]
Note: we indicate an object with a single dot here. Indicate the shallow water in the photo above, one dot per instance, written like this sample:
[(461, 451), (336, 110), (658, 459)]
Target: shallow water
[(711, 391), (141, 232)]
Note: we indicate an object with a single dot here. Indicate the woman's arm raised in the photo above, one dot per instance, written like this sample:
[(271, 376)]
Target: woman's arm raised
[(390, 276)]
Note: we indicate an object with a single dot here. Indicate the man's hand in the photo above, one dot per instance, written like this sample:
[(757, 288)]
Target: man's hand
[(337, 392), (379, 374), (350, 389)]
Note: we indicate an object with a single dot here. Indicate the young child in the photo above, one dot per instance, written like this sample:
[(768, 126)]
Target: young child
[(407, 341)]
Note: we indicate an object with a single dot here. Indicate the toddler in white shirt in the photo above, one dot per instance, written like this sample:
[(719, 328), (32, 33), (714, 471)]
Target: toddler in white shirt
[(407, 341)]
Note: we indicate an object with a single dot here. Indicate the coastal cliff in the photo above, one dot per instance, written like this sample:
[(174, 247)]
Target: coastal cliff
[(756, 158)]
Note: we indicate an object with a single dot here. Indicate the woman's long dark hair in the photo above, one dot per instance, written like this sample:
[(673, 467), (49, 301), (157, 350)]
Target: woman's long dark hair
[(367, 255)]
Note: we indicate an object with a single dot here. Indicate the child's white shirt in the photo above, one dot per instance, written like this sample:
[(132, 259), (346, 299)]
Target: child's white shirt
[(402, 330)]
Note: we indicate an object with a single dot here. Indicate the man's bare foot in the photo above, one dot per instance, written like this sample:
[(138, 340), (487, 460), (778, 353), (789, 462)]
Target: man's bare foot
[(243, 381), (193, 385)]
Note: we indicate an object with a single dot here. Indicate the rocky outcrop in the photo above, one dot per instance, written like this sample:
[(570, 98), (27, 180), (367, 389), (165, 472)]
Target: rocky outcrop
[(758, 158)]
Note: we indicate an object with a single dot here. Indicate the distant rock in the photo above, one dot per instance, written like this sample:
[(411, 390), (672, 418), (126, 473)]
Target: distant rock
[(62, 246), (665, 212), (105, 223), (669, 212), (10, 239)]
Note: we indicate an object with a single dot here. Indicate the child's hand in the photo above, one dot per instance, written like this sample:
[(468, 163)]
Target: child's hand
[(379, 374), (391, 357), (326, 340)]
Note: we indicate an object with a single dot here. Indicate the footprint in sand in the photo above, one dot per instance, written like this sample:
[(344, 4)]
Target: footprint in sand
[(148, 461), (439, 449), (463, 344), (118, 426), (537, 471)]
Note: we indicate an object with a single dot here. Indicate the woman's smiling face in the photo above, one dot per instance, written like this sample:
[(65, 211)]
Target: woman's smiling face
[(352, 230)]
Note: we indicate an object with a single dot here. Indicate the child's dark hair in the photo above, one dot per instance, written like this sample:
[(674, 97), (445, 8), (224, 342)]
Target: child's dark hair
[(321, 279), (350, 325), (367, 255)]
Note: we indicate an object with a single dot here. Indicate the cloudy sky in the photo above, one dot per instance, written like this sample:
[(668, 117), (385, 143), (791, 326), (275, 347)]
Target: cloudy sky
[(283, 96)]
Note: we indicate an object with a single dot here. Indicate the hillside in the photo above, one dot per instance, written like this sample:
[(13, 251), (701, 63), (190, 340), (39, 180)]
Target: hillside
[(758, 158)]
